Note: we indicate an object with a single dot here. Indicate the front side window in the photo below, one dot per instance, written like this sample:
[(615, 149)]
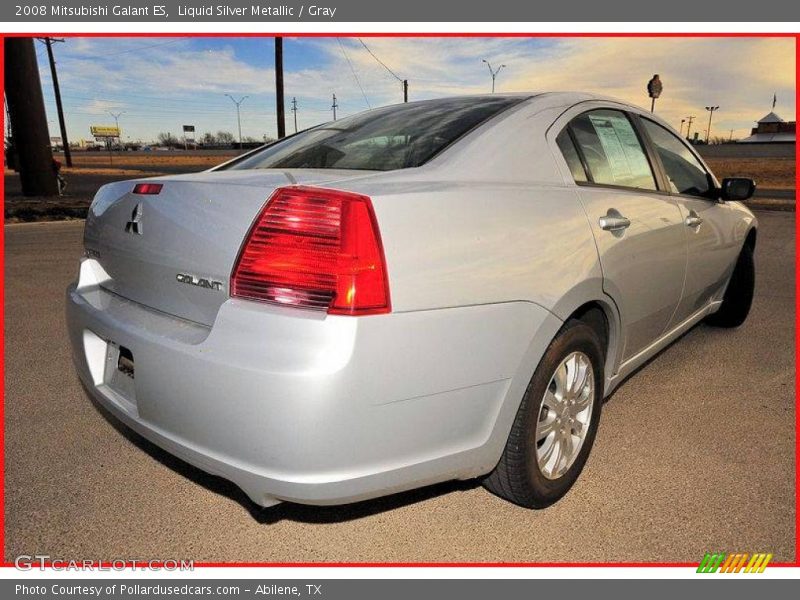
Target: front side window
[(685, 173), (612, 150), (393, 137)]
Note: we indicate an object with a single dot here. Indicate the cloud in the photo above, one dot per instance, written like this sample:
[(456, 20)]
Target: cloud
[(739, 75), (163, 82)]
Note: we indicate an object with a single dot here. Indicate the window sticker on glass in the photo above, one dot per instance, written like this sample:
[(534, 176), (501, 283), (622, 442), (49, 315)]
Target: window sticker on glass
[(627, 161)]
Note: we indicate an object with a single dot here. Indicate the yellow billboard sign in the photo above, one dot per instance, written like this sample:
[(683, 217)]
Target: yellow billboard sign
[(104, 131)]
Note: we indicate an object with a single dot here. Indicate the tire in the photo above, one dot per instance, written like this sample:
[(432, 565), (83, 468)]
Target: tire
[(519, 477), (739, 294)]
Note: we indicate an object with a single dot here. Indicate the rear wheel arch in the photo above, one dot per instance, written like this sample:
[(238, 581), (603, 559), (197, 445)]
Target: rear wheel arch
[(603, 318), (593, 315)]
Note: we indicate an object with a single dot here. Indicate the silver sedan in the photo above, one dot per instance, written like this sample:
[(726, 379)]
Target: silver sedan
[(438, 290)]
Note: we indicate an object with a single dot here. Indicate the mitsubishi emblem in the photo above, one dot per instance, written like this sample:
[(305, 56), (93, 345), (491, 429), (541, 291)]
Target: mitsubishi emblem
[(135, 224)]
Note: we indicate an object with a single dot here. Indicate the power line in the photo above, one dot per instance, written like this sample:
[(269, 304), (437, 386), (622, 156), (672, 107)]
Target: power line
[(210, 106), (400, 79), (353, 71), (137, 49)]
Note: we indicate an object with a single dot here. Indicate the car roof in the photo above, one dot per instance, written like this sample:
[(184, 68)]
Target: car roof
[(541, 99)]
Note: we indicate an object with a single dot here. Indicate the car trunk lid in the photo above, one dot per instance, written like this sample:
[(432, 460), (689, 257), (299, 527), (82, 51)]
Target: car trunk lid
[(174, 250)]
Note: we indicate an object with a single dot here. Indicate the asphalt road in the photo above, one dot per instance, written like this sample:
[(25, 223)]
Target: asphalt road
[(695, 452)]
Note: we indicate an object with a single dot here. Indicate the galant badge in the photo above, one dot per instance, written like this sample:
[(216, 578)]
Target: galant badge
[(202, 282)]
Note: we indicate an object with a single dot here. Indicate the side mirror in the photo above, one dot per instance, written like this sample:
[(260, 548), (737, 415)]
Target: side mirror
[(737, 188)]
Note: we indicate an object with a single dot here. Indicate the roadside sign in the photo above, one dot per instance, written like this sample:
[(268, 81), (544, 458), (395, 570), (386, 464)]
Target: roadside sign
[(104, 131), (188, 129), (654, 86)]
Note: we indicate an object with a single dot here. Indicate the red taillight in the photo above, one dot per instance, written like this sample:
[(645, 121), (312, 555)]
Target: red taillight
[(147, 188), (315, 248)]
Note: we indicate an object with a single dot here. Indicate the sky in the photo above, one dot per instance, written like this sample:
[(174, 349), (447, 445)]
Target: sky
[(160, 84)]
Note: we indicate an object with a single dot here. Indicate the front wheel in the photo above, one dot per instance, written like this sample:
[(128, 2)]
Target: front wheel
[(556, 424)]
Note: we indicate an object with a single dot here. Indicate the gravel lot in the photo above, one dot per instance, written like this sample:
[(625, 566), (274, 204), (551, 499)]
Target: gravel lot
[(695, 452)]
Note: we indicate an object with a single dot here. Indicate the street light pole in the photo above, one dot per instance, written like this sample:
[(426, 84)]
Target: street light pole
[(294, 110), (238, 115), (710, 110), (116, 117), (494, 72), (682, 122)]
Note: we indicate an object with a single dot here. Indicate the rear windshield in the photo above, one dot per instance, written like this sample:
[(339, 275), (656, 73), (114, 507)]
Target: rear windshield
[(394, 137)]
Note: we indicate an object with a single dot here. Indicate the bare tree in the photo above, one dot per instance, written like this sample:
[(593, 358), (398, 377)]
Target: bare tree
[(719, 139), (167, 139), (225, 137)]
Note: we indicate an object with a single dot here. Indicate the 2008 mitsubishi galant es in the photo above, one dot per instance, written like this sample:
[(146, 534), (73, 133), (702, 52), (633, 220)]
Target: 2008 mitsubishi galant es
[(445, 289)]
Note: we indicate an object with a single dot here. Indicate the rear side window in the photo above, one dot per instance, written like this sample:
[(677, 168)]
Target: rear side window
[(685, 173), (393, 137), (570, 154), (612, 150)]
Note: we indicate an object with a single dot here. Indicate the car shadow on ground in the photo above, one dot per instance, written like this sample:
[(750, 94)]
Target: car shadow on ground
[(301, 513), (286, 511)]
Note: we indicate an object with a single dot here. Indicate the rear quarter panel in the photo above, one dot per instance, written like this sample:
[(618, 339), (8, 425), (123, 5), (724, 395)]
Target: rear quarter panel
[(453, 244)]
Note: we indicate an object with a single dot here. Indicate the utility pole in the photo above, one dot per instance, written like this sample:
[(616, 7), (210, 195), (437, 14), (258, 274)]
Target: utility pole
[(29, 120), (294, 110), (689, 127), (494, 72), (730, 139), (57, 91), (238, 103), (279, 87), (334, 106), (710, 110), (405, 90)]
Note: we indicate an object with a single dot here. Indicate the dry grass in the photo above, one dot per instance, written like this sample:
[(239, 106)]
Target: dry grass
[(154, 160), (767, 172)]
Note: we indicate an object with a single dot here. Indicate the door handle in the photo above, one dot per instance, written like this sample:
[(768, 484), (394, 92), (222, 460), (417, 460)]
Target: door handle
[(693, 220), (612, 222)]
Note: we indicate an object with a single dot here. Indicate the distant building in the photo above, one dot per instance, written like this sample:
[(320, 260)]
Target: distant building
[(771, 129)]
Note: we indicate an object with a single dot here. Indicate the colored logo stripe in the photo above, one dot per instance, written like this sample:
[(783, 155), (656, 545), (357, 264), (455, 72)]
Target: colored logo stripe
[(734, 563)]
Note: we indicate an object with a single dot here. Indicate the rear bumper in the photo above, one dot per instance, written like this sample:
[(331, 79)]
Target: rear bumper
[(314, 409)]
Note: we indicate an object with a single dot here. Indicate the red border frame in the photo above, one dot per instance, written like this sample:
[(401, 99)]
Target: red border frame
[(103, 564)]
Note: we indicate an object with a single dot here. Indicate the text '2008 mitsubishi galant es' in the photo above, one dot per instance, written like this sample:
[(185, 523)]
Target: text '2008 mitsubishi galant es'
[(438, 290)]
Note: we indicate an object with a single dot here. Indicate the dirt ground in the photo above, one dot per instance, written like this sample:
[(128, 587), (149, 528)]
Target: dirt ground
[(767, 172), (775, 177), (150, 162)]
